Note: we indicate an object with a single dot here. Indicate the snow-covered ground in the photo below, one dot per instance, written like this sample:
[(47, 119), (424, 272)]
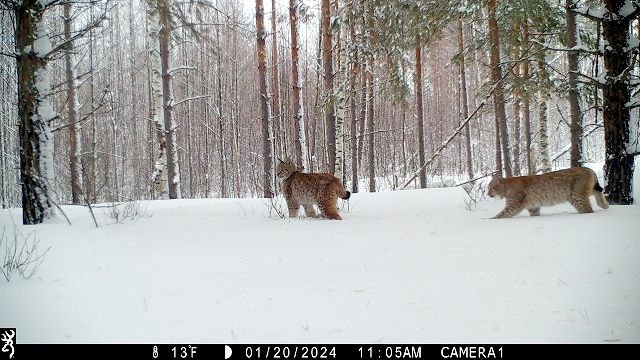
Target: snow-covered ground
[(405, 266)]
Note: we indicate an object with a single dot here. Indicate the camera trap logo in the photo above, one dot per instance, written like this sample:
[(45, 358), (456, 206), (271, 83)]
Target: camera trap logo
[(8, 341)]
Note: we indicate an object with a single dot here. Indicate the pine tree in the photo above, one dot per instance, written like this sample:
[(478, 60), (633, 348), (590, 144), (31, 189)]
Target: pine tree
[(265, 111)]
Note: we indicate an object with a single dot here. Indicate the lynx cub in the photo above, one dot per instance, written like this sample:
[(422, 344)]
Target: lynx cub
[(303, 189), (574, 185)]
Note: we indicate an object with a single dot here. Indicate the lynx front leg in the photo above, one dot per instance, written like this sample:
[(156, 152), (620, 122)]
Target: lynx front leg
[(512, 208), (534, 211), (294, 207)]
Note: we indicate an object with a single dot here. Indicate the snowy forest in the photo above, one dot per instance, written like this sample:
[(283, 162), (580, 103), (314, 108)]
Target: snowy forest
[(109, 100)]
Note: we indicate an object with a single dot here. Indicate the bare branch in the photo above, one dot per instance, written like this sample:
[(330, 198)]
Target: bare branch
[(189, 99), (78, 35)]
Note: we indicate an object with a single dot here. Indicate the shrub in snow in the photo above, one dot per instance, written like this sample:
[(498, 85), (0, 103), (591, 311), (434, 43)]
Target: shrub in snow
[(119, 212), (20, 254)]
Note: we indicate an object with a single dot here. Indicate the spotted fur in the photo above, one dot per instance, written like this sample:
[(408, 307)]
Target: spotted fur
[(309, 189), (574, 185)]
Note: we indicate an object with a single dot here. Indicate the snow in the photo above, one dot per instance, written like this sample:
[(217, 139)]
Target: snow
[(599, 12), (405, 266), (627, 9), (632, 43), (42, 44)]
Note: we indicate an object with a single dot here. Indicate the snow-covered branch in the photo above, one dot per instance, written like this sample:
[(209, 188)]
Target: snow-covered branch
[(190, 99), (596, 81), (171, 71), (577, 48)]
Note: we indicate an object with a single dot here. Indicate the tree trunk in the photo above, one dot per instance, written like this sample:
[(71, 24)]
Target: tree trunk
[(138, 156), (575, 113), (341, 100), (370, 129), (159, 176), (35, 112), (527, 108), (280, 144), (267, 132), (353, 120), (542, 114), (618, 166), (370, 104), (298, 110), (498, 95), (173, 172), (72, 110), (517, 98), (327, 65), (222, 146), (465, 101), (420, 113), (362, 116)]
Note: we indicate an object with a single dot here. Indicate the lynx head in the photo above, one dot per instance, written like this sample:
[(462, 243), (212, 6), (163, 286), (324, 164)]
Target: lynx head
[(496, 186), (285, 168)]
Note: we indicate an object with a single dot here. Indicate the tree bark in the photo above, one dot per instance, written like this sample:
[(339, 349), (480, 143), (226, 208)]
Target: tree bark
[(618, 166), (526, 111), (159, 176), (341, 99), (72, 111), (355, 70), (542, 114), (370, 129), (575, 113), (280, 144), (498, 96), (298, 110), (327, 64), (222, 146), (173, 168), (420, 113), (465, 101), (34, 112), (267, 132), (517, 101)]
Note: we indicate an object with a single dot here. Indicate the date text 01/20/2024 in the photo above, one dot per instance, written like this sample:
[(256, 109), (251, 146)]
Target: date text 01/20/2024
[(370, 352)]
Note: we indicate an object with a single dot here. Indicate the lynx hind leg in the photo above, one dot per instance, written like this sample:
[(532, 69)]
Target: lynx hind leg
[(512, 208), (535, 211), (582, 204), (329, 209), (293, 207), (310, 211), (600, 200)]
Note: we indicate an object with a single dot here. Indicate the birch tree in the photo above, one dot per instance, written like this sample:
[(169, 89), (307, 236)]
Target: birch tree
[(298, 109), (160, 175), (35, 112)]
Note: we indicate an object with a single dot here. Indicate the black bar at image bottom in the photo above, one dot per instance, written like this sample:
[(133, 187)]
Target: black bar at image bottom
[(319, 351)]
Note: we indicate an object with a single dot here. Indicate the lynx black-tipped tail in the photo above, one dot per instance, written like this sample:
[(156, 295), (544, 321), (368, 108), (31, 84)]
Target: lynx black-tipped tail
[(597, 187), (346, 196)]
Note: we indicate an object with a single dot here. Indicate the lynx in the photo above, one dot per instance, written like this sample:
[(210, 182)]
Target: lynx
[(574, 185), (304, 189)]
